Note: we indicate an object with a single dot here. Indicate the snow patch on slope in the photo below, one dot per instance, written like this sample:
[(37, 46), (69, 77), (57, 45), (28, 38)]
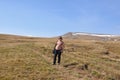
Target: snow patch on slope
[(97, 35)]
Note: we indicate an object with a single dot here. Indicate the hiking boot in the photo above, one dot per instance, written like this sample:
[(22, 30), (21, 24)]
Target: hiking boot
[(58, 63), (53, 64)]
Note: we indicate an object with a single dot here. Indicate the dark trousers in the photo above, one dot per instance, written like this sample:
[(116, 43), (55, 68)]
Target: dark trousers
[(57, 53)]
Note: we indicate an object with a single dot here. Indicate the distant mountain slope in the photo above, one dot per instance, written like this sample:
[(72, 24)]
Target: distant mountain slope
[(91, 36), (69, 35), (12, 36)]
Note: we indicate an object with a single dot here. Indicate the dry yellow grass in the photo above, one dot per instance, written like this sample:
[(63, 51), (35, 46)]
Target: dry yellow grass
[(23, 58)]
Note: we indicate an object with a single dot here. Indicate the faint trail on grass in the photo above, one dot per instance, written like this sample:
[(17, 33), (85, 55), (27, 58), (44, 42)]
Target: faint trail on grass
[(11, 45), (60, 68)]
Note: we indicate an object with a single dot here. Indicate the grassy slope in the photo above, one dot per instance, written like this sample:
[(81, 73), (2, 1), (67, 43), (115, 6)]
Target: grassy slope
[(24, 58)]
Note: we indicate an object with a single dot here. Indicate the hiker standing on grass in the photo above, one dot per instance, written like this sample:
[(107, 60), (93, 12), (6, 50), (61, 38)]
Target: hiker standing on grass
[(58, 49)]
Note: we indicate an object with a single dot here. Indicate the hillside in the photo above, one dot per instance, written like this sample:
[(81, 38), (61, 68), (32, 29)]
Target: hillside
[(29, 58), (92, 36)]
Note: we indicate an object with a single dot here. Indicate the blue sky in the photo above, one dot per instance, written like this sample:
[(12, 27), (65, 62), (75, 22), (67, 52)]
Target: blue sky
[(48, 18)]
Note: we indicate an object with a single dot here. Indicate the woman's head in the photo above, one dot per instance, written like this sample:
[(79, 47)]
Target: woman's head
[(60, 38)]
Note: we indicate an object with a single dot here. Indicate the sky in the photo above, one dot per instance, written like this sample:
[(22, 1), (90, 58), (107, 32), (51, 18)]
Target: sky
[(49, 18)]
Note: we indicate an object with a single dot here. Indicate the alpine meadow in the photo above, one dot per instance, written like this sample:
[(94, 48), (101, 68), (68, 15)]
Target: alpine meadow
[(30, 58)]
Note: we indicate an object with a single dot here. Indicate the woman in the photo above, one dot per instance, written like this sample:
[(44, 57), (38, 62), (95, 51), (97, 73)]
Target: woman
[(58, 50)]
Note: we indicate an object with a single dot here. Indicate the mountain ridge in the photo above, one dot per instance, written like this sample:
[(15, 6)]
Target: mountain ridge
[(91, 36)]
